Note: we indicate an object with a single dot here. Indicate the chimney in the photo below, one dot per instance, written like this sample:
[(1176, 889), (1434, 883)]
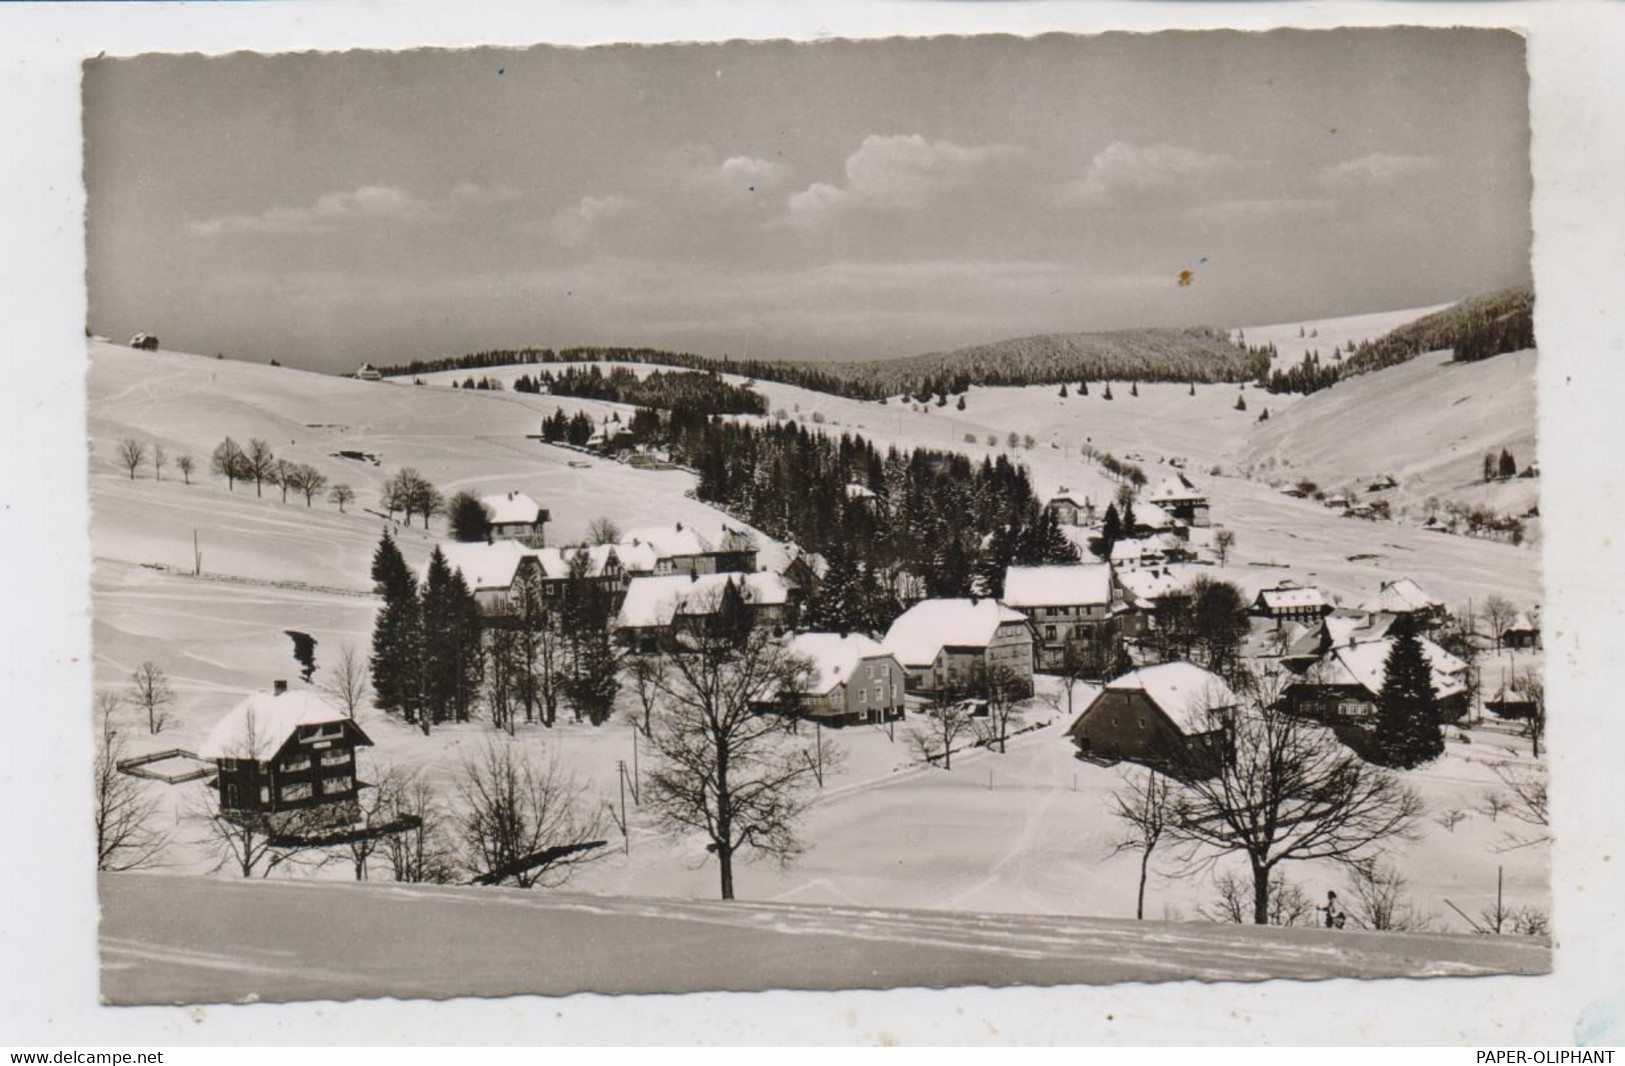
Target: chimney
[(279, 687)]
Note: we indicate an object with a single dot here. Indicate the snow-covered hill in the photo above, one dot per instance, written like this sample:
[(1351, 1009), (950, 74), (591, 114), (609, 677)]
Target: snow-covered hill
[(172, 940), (1428, 422)]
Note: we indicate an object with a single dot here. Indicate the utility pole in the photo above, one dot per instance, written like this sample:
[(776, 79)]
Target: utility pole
[(626, 836), (197, 557)]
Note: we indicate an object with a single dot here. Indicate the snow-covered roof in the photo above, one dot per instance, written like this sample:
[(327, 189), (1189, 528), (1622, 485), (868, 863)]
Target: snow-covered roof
[(1365, 664), (1151, 516), (1521, 624), (484, 566), (834, 657), (1183, 691), (655, 601), (1058, 586), (1175, 488), (510, 507), (258, 727), (922, 631), (1145, 586), (670, 541), (1403, 597), (1292, 597)]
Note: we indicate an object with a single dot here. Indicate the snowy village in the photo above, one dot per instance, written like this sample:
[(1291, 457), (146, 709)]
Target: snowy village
[(1181, 651)]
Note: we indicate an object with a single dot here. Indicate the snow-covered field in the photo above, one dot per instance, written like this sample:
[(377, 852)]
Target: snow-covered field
[(1020, 833), (166, 940)]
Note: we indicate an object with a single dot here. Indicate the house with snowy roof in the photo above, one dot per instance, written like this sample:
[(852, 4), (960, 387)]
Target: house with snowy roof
[(1068, 511), (1522, 633), (853, 680), (367, 372), (658, 610), (1345, 682), (492, 570), (284, 751), (1181, 499), (1405, 596), (1068, 606), (1291, 602), (681, 549), (955, 645), (515, 516), (1171, 717)]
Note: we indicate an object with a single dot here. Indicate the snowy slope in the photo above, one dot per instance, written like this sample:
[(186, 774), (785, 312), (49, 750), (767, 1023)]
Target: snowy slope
[(172, 940), (1428, 422), (1329, 333)]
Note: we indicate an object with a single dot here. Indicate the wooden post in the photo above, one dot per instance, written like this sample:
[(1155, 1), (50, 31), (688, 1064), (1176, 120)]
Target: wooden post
[(197, 557), (626, 836)]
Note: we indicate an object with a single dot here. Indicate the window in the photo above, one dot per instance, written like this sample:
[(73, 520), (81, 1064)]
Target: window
[(1049, 632), (331, 731), (863, 695), (231, 795), (294, 765), (342, 783), (340, 757), (265, 794), (290, 793)]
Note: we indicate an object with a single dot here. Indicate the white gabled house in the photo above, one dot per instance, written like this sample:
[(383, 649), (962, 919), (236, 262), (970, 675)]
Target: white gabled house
[(955, 645), (1068, 606), (1181, 499), (853, 680), (1291, 602), (657, 609), (515, 516)]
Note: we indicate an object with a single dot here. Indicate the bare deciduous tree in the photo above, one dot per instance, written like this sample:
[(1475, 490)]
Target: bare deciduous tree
[(131, 454), (348, 680), (645, 674), (1286, 791), (603, 531), (1223, 541), (1532, 687), (422, 853), (722, 769), (128, 833), (947, 718), (1004, 709), (259, 464), (307, 481), (229, 462), (185, 464), (1380, 900), (282, 475), (1525, 801), (150, 691), (1498, 614), (341, 494), (1144, 810), (524, 821)]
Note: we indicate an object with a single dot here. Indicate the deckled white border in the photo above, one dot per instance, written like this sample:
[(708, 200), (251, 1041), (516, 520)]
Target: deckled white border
[(47, 900)]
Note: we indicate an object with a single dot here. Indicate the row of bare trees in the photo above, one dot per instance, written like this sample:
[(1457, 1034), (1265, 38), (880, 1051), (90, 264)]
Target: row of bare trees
[(133, 455), (259, 464)]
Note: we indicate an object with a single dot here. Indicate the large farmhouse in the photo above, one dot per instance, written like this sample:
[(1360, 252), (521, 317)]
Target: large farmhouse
[(1345, 683), (1068, 606), (1171, 717), (955, 645), (853, 679), (1405, 596), (1180, 498), (492, 571), (284, 751)]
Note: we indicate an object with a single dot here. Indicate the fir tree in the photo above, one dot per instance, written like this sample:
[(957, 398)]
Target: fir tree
[(397, 634), (1083, 388), (1134, 388), (1108, 393), (1508, 465), (593, 679), (1408, 730), (1241, 402), (453, 663), (1111, 530), (1063, 390), (961, 404)]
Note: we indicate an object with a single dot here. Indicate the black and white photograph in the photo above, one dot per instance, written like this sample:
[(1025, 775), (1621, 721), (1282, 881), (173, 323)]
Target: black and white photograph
[(907, 512)]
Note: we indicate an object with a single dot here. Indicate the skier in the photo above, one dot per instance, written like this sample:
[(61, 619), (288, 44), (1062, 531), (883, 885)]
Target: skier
[(1336, 917)]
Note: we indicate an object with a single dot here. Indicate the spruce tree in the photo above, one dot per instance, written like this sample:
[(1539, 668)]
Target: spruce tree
[(592, 680), (397, 636), (1063, 390), (1408, 729), (442, 648), (1111, 530), (1134, 388)]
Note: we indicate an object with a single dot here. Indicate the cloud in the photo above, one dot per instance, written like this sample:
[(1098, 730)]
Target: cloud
[(576, 224), (369, 202), (739, 180), (900, 172), (1379, 168), (1122, 168), (1258, 210)]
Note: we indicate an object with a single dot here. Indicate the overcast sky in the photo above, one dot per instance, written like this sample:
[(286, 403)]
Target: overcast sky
[(837, 200)]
